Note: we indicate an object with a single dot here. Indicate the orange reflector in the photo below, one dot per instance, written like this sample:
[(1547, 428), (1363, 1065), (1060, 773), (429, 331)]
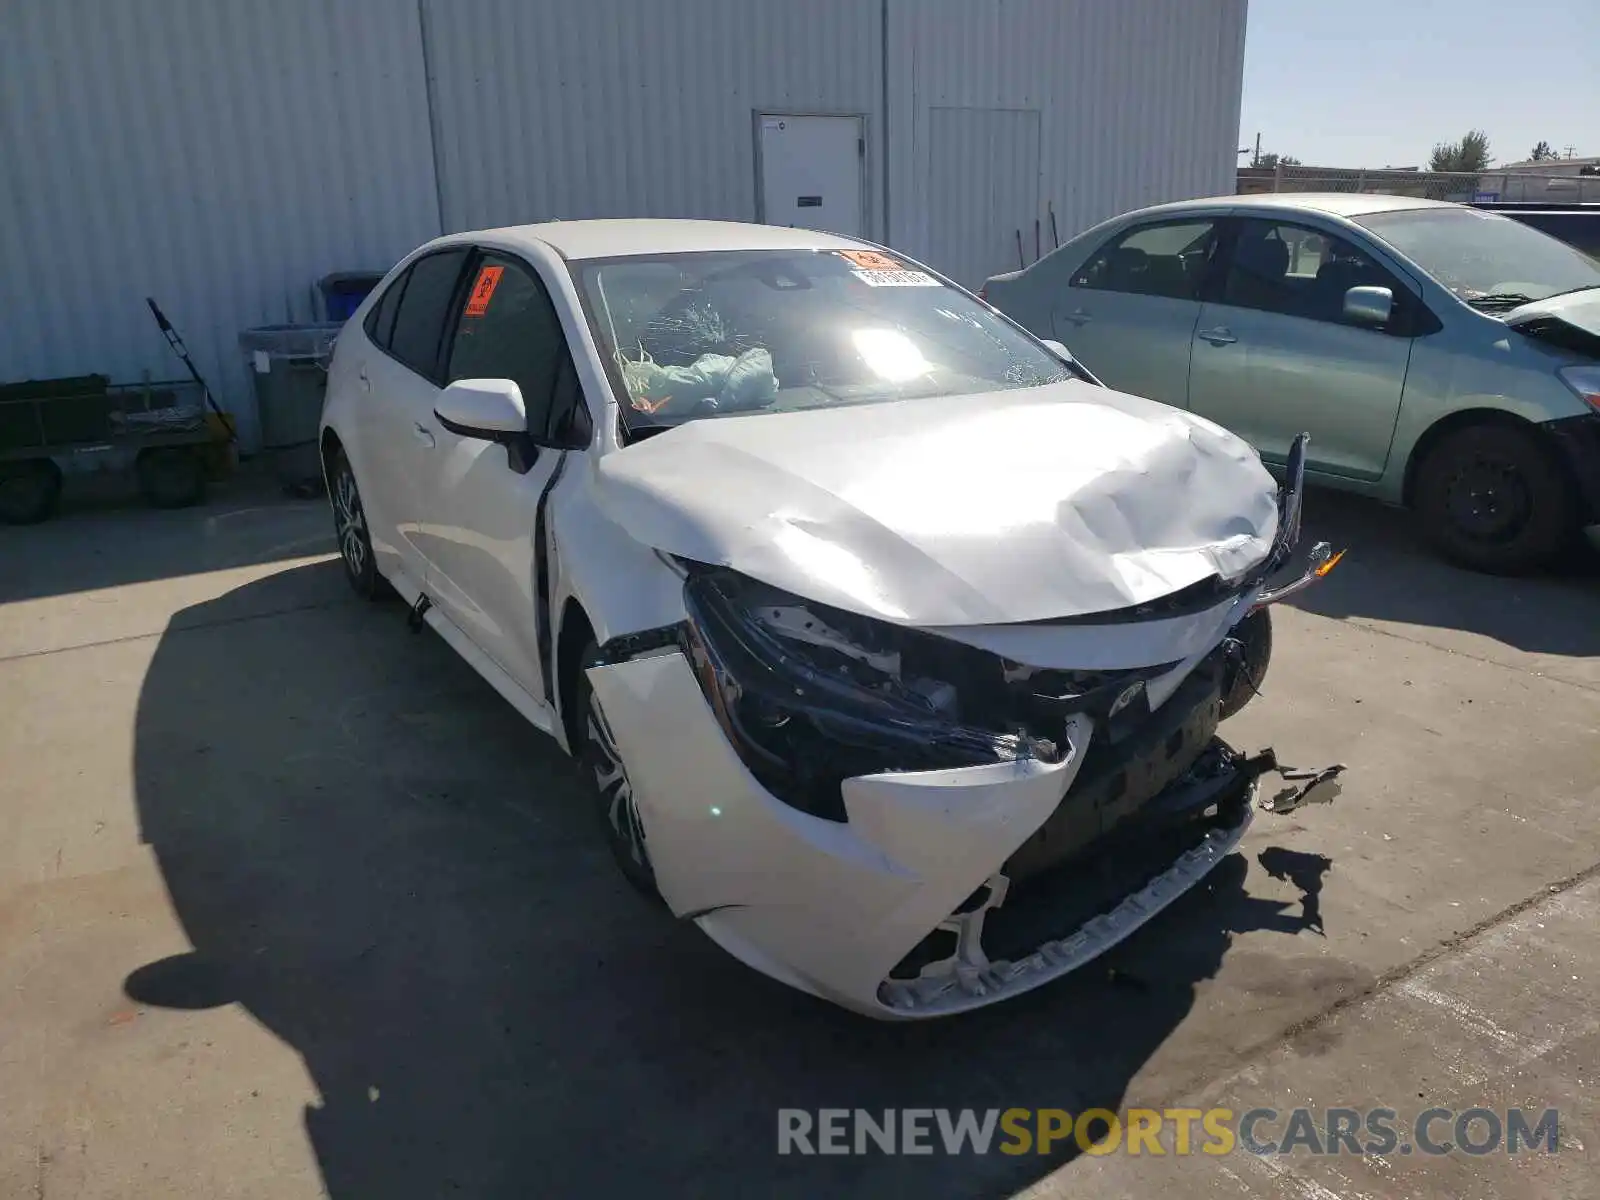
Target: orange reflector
[(1329, 565)]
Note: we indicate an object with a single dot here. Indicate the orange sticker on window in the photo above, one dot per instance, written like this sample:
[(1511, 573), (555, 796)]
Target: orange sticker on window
[(483, 290), (870, 260)]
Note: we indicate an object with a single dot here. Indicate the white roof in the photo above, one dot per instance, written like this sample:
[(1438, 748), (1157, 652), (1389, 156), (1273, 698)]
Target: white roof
[(609, 238)]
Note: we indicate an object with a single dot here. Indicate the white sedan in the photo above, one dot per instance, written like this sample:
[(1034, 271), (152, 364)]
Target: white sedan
[(878, 622)]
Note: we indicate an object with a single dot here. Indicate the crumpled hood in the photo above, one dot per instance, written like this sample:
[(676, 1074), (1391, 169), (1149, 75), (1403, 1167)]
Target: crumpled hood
[(962, 510), (1571, 320)]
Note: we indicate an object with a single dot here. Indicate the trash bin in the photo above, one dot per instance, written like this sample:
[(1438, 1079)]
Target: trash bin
[(289, 364), (343, 292)]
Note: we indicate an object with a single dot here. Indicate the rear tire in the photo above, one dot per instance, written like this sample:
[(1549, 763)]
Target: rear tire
[(350, 529), (29, 491), (615, 804), (1494, 498), (171, 477)]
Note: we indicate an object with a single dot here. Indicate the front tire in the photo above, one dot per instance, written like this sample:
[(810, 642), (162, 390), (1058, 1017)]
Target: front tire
[(615, 803), (1493, 498), (350, 528), (1247, 669)]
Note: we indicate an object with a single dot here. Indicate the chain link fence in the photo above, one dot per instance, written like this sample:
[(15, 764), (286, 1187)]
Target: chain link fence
[(1462, 187)]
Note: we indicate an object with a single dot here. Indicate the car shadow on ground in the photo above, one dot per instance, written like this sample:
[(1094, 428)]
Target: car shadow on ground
[(1390, 574), (373, 855)]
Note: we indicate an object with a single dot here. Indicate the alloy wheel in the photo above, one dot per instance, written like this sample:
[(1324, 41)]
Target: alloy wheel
[(350, 523), (611, 777)]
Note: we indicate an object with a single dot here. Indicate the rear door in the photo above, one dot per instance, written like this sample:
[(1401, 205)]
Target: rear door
[(487, 504), (1129, 312), (1275, 356), (399, 383)]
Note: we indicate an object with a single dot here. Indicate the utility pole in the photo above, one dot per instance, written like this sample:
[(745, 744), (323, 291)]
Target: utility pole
[(1256, 161)]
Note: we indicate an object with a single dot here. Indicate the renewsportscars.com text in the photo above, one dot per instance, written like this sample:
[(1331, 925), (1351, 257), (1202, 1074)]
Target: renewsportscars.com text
[(1177, 1131)]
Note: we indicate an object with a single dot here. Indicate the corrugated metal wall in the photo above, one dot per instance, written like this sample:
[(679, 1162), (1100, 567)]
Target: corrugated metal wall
[(983, 187), (1138, 100), (223, 154), (219, 155), (619, 108)]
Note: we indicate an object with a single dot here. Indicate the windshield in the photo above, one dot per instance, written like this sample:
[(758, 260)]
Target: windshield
[(1486, 259), (723, 333)]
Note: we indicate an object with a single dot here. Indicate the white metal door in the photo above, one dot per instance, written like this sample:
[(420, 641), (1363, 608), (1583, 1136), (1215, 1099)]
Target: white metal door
[(811, 172)]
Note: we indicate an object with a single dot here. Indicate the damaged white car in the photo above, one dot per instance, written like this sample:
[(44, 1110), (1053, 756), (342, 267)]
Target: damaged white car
[(895, 644)]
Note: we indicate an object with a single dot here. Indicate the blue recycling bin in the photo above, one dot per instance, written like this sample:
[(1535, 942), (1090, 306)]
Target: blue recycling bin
[(343, 292)]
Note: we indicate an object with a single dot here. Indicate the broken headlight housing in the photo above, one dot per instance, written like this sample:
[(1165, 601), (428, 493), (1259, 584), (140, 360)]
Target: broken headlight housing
[(811, 695)]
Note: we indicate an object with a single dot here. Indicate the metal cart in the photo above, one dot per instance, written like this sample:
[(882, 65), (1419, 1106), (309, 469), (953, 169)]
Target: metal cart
[(55, 427)]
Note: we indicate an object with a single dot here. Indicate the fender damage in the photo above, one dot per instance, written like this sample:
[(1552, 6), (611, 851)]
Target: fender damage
[(913, 821)]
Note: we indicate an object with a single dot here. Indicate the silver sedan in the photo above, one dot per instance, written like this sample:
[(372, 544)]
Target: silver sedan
[(1441, 357)]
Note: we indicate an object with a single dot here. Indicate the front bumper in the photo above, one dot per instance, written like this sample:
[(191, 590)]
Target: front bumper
[(1577, 439), (835, 908)]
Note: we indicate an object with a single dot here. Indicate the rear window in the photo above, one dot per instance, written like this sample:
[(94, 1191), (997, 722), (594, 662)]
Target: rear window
[(723, 333), (419, 322)]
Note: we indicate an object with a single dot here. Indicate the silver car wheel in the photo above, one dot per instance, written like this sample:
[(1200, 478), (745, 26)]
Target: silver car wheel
[(350, 523), (611, 776)]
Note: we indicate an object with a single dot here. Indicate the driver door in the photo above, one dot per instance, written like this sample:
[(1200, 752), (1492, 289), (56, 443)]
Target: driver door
[(487, 498)]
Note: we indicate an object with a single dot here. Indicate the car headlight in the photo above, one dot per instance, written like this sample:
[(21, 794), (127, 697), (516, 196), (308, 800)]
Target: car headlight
[(1585, 383), (810, 695)]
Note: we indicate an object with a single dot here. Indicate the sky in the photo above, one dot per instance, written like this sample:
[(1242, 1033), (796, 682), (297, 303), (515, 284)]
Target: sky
[(1374, 83)]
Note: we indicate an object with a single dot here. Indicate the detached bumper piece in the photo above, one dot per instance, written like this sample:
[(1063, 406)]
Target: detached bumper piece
[(1143, 823), (1019, 936)]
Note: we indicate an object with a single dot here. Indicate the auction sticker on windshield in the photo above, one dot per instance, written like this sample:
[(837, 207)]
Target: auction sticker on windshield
[(879, 270)]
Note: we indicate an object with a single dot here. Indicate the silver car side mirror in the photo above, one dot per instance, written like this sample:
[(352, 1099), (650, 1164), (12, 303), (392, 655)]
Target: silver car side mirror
[(1368, 305)]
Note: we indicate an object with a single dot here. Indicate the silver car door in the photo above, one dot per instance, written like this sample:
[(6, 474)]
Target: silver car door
[(1275, 353), (1129, 312)]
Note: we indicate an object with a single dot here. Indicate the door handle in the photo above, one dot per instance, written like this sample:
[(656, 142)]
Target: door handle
[(424, 434), (366, 384), (1079, 317), (1220, 336)]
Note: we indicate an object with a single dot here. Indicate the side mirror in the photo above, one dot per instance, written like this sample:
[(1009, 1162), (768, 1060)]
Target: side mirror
[(490, 409), (1368, 305), (1059, 349)]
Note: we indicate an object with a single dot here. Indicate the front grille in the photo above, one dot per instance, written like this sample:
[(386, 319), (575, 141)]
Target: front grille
[(1119, 778), (1058, 900)]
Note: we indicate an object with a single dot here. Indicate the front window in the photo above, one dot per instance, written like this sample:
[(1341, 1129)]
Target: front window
[(1490, 261), (729, 332)]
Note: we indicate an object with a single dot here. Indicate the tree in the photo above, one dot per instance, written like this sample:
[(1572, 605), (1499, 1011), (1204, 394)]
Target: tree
[(1471, 153), (1273, 159), (1542, 152)]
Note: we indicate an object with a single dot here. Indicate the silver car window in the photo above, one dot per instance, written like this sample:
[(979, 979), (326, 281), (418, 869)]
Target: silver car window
[(1167, 259), (1478, 254)]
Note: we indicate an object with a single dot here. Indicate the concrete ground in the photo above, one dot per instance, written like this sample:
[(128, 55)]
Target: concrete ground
[(291, 903)]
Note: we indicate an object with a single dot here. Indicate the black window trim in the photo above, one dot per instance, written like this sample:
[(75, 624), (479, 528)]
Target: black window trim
[(398, 289), (478, 252), (1413, 319)]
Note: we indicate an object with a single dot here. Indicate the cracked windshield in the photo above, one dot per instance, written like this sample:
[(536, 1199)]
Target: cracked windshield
[(718, 334)]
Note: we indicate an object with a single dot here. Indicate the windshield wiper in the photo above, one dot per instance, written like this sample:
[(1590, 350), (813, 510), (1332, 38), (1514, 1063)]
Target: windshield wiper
[(1499, 300)]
